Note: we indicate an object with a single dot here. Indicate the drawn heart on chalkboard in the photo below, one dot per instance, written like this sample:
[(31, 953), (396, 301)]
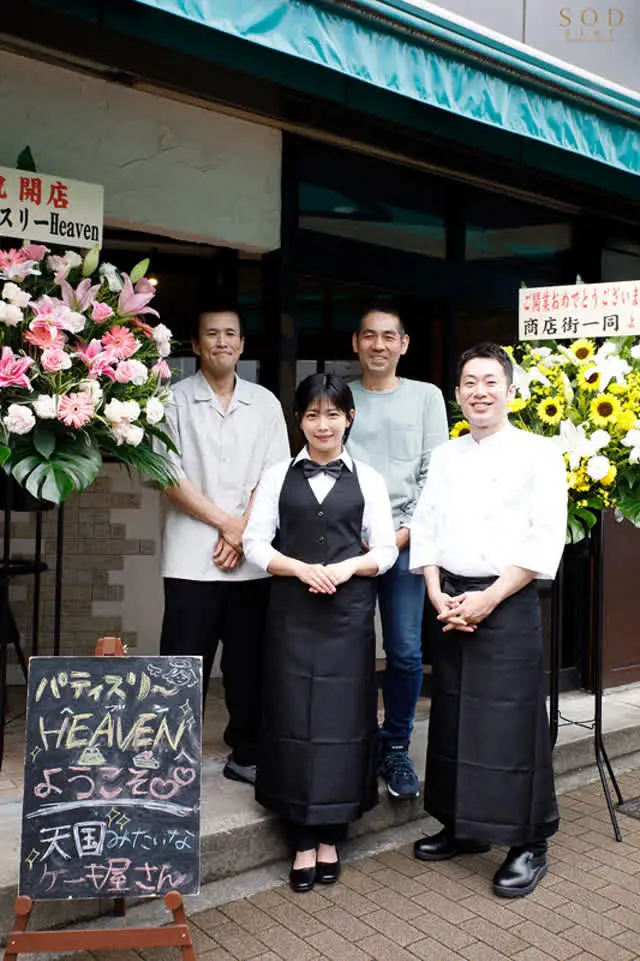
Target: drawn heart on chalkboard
[(184, 775), (162, 789)]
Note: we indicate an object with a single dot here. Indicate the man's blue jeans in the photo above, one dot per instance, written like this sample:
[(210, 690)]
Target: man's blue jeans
[(401, 595)]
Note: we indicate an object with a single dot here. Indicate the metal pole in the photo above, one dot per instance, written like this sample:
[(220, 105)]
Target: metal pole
[(597, 581), (57, 614), (35, 634), (555, 654), (4, 624)]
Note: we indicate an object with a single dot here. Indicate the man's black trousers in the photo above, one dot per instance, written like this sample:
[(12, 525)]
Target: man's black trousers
[(200, 614)]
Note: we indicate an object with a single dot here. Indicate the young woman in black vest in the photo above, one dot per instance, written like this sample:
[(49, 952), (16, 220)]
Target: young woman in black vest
[(322, 524)]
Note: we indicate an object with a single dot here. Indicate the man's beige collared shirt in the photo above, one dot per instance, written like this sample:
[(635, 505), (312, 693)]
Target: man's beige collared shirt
[(223, 454)]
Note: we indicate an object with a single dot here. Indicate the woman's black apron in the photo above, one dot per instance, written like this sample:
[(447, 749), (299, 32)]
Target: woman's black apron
[(317, 756), (489, 772)]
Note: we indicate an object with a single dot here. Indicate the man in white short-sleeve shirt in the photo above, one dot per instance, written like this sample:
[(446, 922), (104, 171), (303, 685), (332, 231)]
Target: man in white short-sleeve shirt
[(228, 432)]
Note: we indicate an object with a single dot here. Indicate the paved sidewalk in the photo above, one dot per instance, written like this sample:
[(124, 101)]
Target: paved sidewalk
[(393, 908)]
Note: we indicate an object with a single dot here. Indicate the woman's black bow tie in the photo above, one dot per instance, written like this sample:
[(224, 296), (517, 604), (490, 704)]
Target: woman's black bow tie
[(311, 469)]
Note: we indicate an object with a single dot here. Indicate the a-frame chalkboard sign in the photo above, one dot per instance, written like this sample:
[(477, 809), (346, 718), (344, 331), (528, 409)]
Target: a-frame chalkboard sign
[(112, 794)]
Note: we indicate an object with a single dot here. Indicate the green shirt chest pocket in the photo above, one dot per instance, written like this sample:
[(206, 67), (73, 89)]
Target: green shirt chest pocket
[(404, 442)]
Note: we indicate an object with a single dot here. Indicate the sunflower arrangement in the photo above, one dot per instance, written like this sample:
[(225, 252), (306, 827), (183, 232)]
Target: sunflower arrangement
[(586, 396)]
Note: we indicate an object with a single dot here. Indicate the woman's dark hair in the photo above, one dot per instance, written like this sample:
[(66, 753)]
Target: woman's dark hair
[(492, 352), (317, 386)]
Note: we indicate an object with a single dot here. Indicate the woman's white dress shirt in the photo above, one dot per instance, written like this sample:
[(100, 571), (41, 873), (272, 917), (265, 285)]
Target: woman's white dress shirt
[(377, 522), (492, 504)]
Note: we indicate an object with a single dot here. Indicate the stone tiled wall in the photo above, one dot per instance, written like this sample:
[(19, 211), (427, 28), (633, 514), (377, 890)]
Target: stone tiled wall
[(111, 578)]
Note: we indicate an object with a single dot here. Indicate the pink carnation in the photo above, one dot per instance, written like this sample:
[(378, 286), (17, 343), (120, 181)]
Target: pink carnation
[(131, 372), (13, 370), (75, 410), (162, 370), (121, 341), (54, 360), (101, 312), (35, 252)]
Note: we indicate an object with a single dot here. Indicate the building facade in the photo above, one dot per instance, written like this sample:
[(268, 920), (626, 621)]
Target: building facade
[(309, 157)]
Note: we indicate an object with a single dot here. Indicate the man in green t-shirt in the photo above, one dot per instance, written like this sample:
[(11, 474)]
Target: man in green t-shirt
[(398, 423)]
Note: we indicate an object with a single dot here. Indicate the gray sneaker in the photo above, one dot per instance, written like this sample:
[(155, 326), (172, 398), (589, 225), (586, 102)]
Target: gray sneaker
[(239, 772)]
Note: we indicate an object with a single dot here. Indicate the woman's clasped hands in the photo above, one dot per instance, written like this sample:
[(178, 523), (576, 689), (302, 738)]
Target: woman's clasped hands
[(325, 578)]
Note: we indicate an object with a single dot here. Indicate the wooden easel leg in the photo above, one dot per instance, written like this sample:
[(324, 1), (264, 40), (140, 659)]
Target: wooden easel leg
[(22, 906), (175, 904)]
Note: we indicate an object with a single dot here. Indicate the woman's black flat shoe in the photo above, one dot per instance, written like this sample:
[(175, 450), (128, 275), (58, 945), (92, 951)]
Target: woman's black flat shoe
[(328, 872), (301, 879)]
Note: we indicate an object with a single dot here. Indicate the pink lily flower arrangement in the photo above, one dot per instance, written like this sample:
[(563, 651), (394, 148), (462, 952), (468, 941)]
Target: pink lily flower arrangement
[(74, 353)]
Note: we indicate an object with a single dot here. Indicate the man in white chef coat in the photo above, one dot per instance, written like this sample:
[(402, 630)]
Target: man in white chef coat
[(491, 519)]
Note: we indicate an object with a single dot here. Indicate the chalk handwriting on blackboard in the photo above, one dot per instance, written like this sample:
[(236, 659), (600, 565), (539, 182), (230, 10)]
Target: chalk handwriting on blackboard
[(112, 777)]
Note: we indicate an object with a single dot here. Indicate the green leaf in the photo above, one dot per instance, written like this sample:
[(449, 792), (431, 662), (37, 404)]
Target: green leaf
[(575, 531), (44, 440), (23, 468), (50, 490), (76, 471), (83, 467), (152, 464), (66, 483), (35, 479), (25, 160), (5, 453), (139, 271), (162, 436), (586, 517)]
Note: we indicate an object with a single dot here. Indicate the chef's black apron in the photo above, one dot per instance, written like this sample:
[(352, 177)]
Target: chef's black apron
[(489, 772), (317, 756)]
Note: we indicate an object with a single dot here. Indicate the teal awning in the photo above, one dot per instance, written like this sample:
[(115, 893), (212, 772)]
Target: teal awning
[(399, 47)]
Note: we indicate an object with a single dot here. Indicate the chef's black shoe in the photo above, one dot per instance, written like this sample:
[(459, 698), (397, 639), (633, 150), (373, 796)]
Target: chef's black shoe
[(443, 846), (328, 872), (246, 773), (302, 879), (520, 872)]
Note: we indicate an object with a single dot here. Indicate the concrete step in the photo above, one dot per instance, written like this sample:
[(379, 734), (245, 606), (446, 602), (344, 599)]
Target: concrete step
[(238, 835)]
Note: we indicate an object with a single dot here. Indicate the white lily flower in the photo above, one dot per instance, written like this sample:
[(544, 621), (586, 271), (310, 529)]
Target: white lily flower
[(632, 440), (555, 359), (568, 355), (599, 439), (523, 379), (567, 388), (608, 348), (611, 367), (573, 441), (635, 352)]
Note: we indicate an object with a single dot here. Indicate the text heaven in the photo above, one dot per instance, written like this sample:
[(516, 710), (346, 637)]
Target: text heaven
[(148, 730)]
